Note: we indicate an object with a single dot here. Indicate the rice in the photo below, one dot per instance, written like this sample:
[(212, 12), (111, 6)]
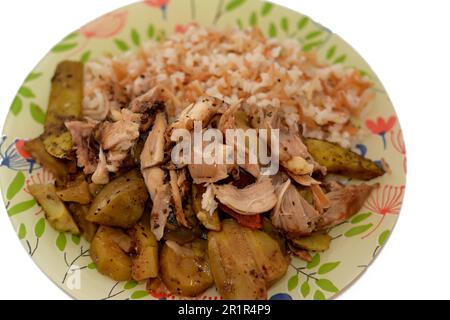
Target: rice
[(233, 65)]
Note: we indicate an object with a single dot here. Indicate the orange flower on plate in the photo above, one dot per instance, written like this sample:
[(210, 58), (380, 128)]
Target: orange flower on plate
[(381, 127)]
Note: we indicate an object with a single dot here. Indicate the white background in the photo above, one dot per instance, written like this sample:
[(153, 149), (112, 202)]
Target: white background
[(405, 42)]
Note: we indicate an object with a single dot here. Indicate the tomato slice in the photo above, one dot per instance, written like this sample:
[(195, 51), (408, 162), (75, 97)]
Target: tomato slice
[(252, 222)]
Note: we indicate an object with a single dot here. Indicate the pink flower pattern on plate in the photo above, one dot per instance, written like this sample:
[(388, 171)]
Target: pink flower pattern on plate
[(106, 26), (383, 201)]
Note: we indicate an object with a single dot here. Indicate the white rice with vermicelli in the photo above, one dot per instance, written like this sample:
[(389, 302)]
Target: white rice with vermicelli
[(232, 65)]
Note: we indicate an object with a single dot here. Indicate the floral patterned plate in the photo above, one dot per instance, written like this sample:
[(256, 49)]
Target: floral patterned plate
[(65, 258)]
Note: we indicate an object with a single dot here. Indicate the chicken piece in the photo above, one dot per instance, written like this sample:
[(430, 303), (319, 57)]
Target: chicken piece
[(117, 138), (205, 173), (321, 201), (209, 173), (101, 174), (303, 180), (160, 210), (153, 151), (86, 147), (177, 201), (203, 110), (253, 199), (154, 176), (292, 214), (147, 101), (233, 118), (344, 203)]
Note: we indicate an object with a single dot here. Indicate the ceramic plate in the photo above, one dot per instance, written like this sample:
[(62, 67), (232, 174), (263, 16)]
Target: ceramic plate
[(65, 258)]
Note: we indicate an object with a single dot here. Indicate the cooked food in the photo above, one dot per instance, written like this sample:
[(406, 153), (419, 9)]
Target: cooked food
[(109, 257), (76, 191), (187, 217), (145, 263), (254, 199), (343, 161), (121, 202), (59, 168), (318, 241), (79, 213), (65, 103), (55, 210), (186, 270), (244, 262)]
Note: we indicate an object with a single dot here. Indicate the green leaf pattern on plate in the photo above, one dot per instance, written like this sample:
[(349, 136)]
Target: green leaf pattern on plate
[(234, 4), (384, 236), (21, 207), (39, 228), (130, 285), (304, 275), (61, 241), (266, 9), (292, 282), (139, 295), (15, 186), (358, 230), (22, 233), (37, 113)]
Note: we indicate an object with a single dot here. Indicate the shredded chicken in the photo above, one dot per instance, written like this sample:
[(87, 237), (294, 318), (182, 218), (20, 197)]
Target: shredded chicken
[(85, 145), (177, 201), (101, 174), (321, 201), (154, 176), (209, 203), (117, 138), (203, 110), (292, 213), (253, 199), (145, 102), (160, 210), (344, 203), (153, 151)]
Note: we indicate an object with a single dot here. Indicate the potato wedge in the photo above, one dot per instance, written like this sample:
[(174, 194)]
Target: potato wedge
[(342, 161), (185, 270), (56, 212), (209, 221), (76, 191), (244, 262), (59, 168), (121, 202), (87, 228), (318, 241), (145, 264), (65, 101), (107, 255)]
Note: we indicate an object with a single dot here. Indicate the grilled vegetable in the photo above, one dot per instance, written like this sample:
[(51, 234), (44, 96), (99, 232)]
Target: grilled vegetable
[(79, 213), (55, 210), (145, 263), (185, 269), (209, 221), (318, 241), (342, 161), (244, 262), (59, 168), (64, 104), (121, 202), (108, 256), (76, 191)]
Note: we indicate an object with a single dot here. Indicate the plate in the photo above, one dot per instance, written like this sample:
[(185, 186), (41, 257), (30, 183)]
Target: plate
[(65, 258)]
